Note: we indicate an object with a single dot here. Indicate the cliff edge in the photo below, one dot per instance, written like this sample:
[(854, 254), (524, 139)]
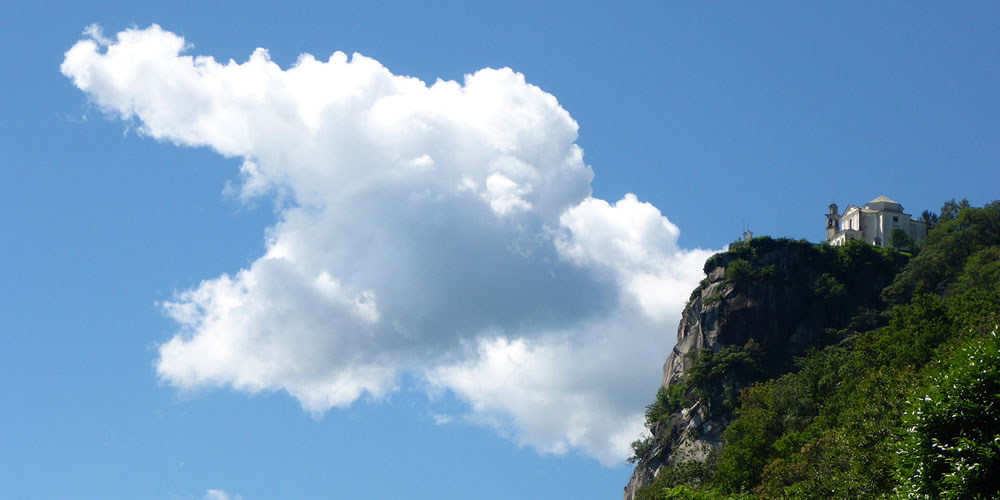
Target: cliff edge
[(763, 303)]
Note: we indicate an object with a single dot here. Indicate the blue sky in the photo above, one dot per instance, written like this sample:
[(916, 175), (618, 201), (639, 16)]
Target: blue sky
[(713, 116)]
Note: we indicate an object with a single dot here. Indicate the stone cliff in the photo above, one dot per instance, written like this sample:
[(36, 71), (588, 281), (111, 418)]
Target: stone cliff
[(763, 303)]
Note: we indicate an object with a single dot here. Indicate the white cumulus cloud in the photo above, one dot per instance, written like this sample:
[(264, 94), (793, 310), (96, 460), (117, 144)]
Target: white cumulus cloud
[(444, 230)]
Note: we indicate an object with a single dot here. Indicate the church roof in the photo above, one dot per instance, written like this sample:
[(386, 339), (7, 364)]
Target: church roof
[(884, 203), (882, 198)]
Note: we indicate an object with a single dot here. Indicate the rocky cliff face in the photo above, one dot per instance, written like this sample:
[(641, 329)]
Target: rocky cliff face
[(782, 297), (694, 432)]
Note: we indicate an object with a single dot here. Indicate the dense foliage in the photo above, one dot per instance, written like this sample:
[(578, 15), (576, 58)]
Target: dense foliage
[(904, 401), (952, 450)]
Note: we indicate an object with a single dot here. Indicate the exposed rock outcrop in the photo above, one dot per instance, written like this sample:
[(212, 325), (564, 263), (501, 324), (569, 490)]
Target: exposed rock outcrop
[(786, 297)]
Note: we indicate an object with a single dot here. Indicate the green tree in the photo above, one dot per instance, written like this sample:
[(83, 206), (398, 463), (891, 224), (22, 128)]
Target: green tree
[(951, 209), (899, 240), (929, 218), (943, 256), (953, 448)]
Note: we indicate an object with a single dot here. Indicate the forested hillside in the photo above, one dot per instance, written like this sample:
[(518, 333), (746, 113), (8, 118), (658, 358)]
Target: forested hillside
[(883, 383)]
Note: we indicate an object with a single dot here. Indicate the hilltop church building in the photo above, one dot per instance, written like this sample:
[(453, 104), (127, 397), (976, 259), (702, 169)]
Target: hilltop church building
[(873, 223)]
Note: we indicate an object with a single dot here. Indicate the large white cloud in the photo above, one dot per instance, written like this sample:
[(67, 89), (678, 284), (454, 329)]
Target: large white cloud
[(446, 231)]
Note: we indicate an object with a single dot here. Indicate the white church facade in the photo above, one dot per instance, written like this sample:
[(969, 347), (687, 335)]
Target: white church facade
[(873, 223)]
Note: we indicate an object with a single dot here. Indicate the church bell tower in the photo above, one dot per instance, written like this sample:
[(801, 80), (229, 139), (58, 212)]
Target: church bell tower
[(832, 222)]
